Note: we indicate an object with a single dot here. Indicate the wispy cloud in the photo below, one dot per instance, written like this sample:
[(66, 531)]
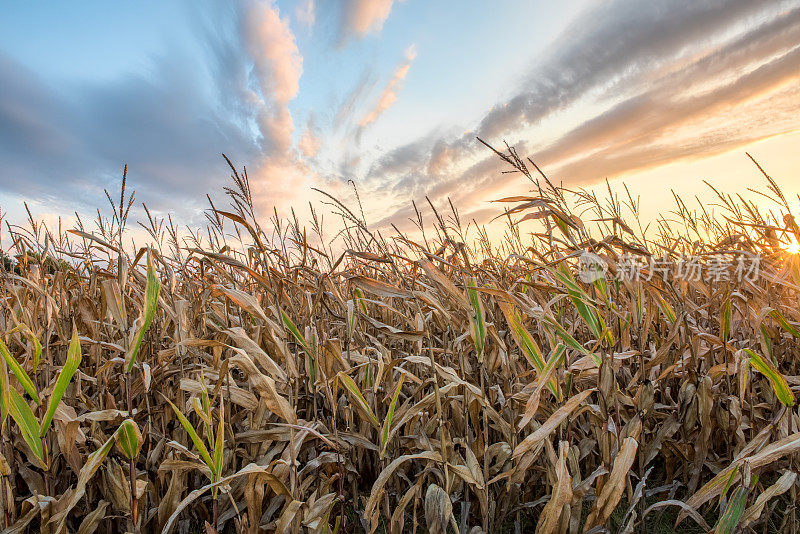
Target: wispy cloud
[(389, 93), (347, 108), (306, 12), (671, 81), (310, 141)]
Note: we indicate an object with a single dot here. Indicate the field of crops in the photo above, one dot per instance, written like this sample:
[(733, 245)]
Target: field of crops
[(255, 378)]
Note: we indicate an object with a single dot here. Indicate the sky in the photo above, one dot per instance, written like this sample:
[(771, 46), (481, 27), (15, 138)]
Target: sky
[(390, 95)]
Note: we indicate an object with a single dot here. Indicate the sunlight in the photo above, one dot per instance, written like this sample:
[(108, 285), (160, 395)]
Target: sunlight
[(792, 247)]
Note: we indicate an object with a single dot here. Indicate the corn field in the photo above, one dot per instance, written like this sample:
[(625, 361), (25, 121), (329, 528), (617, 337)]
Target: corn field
[(252, 378)]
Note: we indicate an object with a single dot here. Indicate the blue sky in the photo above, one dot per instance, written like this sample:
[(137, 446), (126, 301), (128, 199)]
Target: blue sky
[(388, 94)]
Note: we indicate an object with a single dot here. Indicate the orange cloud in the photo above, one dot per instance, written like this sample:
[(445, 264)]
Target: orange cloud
[(361, 17), (278, 177), (389, 94), (277, 61), (309, 144)]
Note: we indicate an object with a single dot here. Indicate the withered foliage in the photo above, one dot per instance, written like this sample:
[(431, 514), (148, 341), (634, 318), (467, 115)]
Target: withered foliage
[(251, 380)]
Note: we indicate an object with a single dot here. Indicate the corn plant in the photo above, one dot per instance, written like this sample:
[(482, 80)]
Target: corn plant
[(211, 455), (437, 379), (33, 430)]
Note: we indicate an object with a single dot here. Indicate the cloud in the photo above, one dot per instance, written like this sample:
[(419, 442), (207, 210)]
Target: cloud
[(347, 108), (310, 142), (279, 174), (361, 17), (389, 93), (81, 134), (168, 121), (617, 42), (671, 82), (272, 47), (306, 12)]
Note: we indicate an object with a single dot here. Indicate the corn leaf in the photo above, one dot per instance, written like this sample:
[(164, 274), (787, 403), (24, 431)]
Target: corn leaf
[(779, 384), (63, 380), (360, 402), (5, 392), (37, 345), (198, 443), (289, 324), (220, 442), (733, 512), (19, 372), (151, 293), (387, 423), (570, 341), (28, 425), (778, 316), (666, 309), (530, 349), (129, 439), (725, 323), (478, 317)]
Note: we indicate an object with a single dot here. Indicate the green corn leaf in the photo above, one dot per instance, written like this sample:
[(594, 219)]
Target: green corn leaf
[(129, 439), (28, 425), (360, 299), (220, 442), (530, 349), (779, 384), (289, 324), (562, 225), (478, 317), (554, 361), (37, 345), (151, 293), (728, 484), (725, 323), (526, 343), (666, 309), (602, 287), (360, 402), (197, 405), (561, 332), (205, 412), (778, 316), (767, 340), (5, 392), (578, 297), (19, 372), (605, 331), (585, 305), (729, 519), (387, 423), (63, 380), (351, 318), (311, 336), (198, 443)]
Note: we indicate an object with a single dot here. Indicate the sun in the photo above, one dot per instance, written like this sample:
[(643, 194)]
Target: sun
[(793, 247)]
